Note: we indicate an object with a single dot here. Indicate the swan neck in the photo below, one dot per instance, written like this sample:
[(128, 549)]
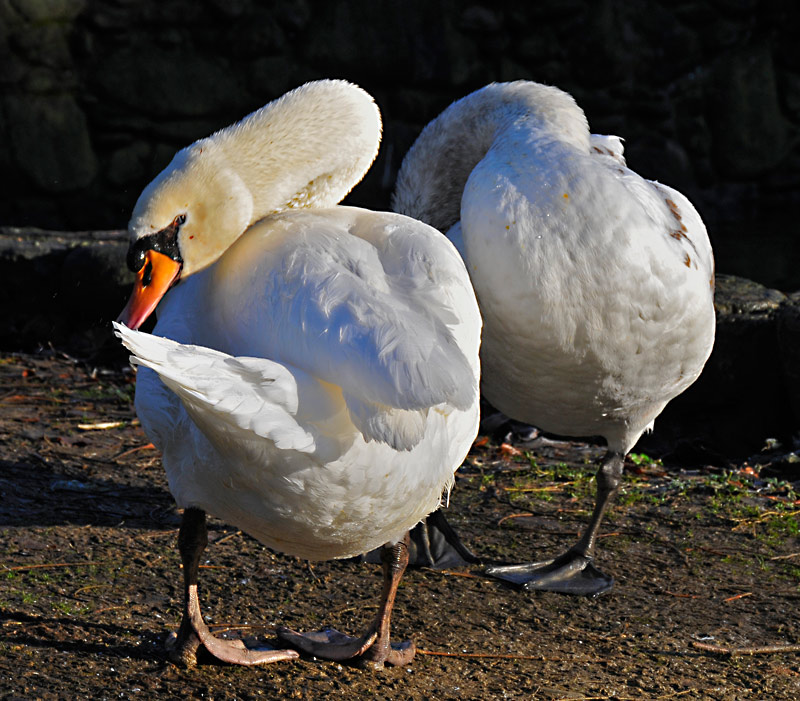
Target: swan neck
[(306, 149), (435, 170)]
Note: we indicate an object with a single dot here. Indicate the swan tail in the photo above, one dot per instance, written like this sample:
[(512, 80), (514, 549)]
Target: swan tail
[(608, 146)]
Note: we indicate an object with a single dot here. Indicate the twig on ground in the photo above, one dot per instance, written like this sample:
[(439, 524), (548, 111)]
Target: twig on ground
[(157, 534), (310, 568), (32, 398), (502, 656), (453, 573), (109, 608), (227, 627), (738, 596), (125, 453), (90, 586), (546, 488), (101, 425), (596, 698), (623, 698), (785, 557), (510, 516), (226, 537), (745, 522), (15, 568), (763, 650)]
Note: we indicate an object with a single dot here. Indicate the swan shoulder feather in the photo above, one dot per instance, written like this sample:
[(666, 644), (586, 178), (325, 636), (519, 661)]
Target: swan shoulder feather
[(376, 304), (358, 299), (607, 146)]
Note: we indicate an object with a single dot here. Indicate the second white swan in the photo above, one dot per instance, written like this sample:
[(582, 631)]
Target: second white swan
[(595, 284)]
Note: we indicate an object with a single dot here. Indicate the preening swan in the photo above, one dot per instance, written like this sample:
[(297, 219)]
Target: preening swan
[(313, 376), (595, 285)]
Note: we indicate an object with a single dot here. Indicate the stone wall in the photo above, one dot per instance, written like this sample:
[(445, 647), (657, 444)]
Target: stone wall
[(98, 94)]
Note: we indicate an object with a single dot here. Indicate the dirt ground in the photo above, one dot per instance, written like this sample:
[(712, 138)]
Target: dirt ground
[(90, 579)]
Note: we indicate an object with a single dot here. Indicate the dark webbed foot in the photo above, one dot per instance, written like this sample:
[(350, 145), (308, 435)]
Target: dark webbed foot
[(433, 543), (330, 644), (572, 573), (373, 649)]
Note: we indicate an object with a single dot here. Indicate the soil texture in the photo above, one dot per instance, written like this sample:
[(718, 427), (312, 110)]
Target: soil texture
[(705, 557)]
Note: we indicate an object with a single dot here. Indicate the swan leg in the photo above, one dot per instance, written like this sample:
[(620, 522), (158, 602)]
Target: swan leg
[(193, 632), (373, 649), (573, 572), (434, 543)]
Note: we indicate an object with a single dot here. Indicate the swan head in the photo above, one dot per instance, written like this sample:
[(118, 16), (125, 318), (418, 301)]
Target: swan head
[(182, 222), (308, 148)]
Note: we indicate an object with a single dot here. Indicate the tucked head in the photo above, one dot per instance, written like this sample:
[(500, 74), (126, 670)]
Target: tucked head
[(191, 212), (305, 149)]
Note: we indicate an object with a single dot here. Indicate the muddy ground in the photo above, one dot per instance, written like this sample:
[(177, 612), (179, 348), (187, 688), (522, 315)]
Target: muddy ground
[(90, 580)]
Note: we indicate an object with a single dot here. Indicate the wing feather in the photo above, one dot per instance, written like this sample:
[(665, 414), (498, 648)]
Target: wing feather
[(222, 393), (364, 306)]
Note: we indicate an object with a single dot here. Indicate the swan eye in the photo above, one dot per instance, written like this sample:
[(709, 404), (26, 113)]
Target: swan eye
[(136, 258), (179, 220)]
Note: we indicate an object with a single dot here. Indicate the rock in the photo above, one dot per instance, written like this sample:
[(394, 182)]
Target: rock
[(271, 75), (44, 45), (705, 92), (48, 10), (789, 343), (130, 163), (342, 39), (741, 398), (170, 82), (38, 127), (62, 288), (751, 134)]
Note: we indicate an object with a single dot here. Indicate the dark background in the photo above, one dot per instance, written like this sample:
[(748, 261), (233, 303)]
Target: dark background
[(97, 95)]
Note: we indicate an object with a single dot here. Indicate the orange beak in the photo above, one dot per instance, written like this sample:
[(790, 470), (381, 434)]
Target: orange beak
[(154, 278)]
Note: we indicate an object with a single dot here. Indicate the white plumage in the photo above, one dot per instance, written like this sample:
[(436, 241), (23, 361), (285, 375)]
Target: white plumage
[(337, 402), (314, 380), (595, 284)]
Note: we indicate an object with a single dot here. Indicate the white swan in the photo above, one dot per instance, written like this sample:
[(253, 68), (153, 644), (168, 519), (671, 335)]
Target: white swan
[(595, 285), (316, 377)]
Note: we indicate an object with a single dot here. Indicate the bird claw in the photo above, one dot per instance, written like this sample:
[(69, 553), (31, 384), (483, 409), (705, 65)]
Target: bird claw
[(330, 644), (183, 646), (571, 573)]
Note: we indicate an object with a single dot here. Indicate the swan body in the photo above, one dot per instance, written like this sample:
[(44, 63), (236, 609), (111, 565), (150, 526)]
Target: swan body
[(595, 284), (313, 377), (315, 393)]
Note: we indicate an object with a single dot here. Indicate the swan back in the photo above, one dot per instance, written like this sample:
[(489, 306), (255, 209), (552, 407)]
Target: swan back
[(435, 171), (323, 379)]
